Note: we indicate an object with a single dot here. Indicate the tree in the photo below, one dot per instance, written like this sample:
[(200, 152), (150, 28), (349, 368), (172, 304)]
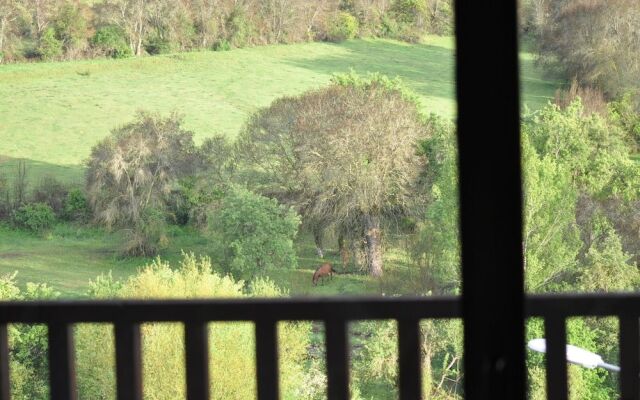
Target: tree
[(347, 152), (131, 16), (551, 241), (130, 173), (437, 247), (256, 231), (595, 41), (70, 27), (9, 12)]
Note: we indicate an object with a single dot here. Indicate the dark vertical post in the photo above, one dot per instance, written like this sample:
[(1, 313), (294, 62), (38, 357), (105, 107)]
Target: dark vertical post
[(490, 189), (62, 376), (5, 389), (629, 358), (409, 359), (128, 361), (196, 340), (556, 360), (267, 360), (337, 359)]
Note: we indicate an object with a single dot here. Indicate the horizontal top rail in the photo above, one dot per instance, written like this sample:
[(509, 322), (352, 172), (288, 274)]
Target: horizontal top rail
[(281, 309), (574, 305), (284, 309)]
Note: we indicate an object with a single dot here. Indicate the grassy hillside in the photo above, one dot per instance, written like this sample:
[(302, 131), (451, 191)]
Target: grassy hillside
[(53, 113)]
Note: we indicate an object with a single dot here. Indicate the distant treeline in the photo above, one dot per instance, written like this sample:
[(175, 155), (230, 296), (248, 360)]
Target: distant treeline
[(75, 29)]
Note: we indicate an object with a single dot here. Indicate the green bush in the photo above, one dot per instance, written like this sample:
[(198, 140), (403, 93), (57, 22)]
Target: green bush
[(52, 192), (342, 27), (49, 47), (28, 343), (112, 41), (157, 45), (76, 207), (70, 26), (241, 31), (257, 233), (232, 364), (222, 45), (35, 217)]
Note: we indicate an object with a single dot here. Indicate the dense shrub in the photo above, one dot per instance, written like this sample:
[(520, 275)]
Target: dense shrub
[(240, 30), (28, 343), (35, 217), (342, 27), (49, 47), (233, 365), (70, 27), (256, 231), (157, 45), (112, 42), (76, 207), (51, 192)]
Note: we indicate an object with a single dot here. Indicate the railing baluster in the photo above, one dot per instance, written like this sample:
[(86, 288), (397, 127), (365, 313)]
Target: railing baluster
[(5, 388), (409, 359), (629, 358), (556, 333), (196, 340), (128, 361), (62, 375), (337, 359), (267, 360)]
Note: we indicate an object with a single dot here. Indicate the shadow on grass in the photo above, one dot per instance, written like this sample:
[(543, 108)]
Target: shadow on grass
[(427, 69), (36, 170)]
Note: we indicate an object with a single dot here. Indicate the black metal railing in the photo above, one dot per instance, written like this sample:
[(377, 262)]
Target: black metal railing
[(126, 316)]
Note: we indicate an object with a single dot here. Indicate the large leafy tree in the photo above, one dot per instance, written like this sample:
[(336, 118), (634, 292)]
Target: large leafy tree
[(131, 172), (346, 153)]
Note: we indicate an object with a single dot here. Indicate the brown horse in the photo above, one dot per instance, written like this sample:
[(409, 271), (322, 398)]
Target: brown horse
[(325, 269)]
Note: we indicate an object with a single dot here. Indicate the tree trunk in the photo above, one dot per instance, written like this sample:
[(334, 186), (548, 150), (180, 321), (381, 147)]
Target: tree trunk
[(317, 239), (373, 238)]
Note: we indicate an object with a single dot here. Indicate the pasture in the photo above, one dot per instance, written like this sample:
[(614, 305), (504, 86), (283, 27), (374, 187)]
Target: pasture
[(51, 114)]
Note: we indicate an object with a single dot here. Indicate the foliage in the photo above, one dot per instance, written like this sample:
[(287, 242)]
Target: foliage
[(232, 368), (70, 27), (111, 41), (157, 45), (76, 207), (28, 343), (436, 249), (355, 167), (35, 217), (342, 27), (440, 347), (594, 150), (52, 192), (594, 41), (239, 28), (550, 238), (49, 47), (607, 267), (130, 174), (625, 112), (256, 231)]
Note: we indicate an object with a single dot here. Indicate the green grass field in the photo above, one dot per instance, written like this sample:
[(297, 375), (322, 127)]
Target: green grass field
[(51, 114)]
